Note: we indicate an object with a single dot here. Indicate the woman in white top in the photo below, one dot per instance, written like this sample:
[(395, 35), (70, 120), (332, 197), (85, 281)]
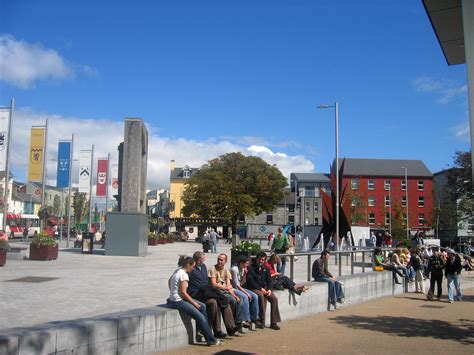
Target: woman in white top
[(180, 299)]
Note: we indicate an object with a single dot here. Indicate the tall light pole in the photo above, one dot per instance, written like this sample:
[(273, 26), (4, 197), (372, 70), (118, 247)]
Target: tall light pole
[(336, 118), (296, 200), (406, 197)]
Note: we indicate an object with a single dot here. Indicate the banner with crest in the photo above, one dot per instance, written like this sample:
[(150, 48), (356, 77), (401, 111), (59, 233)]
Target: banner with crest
[(64, 164), (36, 158), (85, 157), (4, 122), (102, 177)]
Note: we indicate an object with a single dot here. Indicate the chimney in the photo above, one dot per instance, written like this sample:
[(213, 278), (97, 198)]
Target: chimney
[(172, 165)]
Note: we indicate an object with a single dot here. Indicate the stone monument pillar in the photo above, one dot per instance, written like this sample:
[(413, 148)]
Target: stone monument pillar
[(127, 230)]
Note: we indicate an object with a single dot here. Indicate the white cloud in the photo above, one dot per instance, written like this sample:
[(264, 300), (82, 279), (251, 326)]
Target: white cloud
[(22, 63), (462, 131), (446, 90), (106, 134)]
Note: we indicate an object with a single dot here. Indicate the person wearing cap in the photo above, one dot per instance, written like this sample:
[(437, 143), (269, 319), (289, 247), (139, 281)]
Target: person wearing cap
[(453, 275)]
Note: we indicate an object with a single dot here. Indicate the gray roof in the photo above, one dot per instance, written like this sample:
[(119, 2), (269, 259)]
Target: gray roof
[(384, 167), (177, 173), (310, 177)]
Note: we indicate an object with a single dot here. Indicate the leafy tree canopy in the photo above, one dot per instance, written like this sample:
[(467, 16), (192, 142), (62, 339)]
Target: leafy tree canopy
[(233, 185)]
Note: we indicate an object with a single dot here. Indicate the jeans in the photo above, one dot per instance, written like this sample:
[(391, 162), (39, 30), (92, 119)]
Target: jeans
[(199, 315), (214, 246), (335, 288), (411, 272), (237, 307), (250, 307), (281, 266), (454, 281)]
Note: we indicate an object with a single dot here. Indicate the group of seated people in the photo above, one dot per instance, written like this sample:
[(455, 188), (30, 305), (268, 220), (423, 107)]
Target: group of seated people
[(239, 295)]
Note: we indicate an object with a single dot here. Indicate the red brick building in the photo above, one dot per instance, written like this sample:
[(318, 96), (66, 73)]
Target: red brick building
[(377, 195)]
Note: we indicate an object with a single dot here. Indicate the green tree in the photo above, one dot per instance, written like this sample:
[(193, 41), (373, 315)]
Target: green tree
[(80, 206), (398, 224), (233, 185), (460, 184), (358, 208)]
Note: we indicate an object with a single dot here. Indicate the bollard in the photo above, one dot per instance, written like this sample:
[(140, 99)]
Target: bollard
[(363, 261), (340, 264), (352, 263)]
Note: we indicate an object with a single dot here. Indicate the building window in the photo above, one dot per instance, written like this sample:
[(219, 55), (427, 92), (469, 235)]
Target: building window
[(307, 206), (387, 185), (371, 201), (186, 173), (291, 219), (404, 185), (421, 185), (421, 201), (387, 201), (371, 218), (354, 184), (316, 221), (405, 219), (353, 201), (309, 191), (370, 184), (316, 207), (291, 208), (306, 221), (387, 219), (421, 219), (404, 201), (269, 219)]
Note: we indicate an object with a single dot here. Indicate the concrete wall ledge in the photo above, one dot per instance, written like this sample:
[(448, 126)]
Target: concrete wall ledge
[(146, 330)]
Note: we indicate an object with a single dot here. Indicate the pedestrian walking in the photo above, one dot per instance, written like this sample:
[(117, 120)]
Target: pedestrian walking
[(453, 275), (213, 237)]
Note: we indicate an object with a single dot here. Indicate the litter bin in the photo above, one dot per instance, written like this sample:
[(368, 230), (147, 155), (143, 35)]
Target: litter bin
[(87, 243)]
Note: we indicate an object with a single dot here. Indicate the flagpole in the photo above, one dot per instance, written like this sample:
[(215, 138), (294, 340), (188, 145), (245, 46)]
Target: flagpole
[(107, 188), (6, 190), (71, 156), (90, 189), (45, 149)]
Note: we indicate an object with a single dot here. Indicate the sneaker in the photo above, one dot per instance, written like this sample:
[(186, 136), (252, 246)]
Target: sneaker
[(253, 327), (259, 324), (199, 337), (340, 300), (216, 343), (451, 301), (233, 331), (274, 326), (220, 335), (246, 324)]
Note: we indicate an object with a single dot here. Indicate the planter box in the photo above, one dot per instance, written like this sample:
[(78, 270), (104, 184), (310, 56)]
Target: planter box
[(3, 258), (170, 240), (44, 252), (152, 241), (162, 241)]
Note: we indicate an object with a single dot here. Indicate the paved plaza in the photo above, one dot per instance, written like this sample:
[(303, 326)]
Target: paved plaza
[(85, 285), (404, 324)]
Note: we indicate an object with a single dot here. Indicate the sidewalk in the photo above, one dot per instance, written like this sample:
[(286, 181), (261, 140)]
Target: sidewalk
[(405, 324)]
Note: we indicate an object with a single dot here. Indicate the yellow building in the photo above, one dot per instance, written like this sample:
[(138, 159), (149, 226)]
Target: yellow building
[(178, 177)]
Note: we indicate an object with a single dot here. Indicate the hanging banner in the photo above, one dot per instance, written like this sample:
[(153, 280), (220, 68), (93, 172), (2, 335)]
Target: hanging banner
[(4, 119), (114, 178), (85, 157), (64, 164), (35, 163), (102, 178)]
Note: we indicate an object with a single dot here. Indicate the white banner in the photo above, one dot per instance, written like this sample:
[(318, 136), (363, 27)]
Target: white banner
[(114, 178), (4, 118), (85, 171)]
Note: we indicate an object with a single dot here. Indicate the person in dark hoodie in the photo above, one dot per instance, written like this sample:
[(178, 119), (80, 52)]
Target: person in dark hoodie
[(260, 282), (453, 275)]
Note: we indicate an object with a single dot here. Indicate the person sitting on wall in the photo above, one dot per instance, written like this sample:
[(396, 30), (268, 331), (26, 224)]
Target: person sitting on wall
[(281, 281), (260, 282), (180, 299), (380, 263), (216, 303), (320, 273)]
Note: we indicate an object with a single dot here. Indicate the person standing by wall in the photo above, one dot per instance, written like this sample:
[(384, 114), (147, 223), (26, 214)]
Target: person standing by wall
[(417, 264), (281, 245)]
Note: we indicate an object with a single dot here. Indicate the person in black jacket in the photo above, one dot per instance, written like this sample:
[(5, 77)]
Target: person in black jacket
[(453, 275), (260, 282), (436, 266)]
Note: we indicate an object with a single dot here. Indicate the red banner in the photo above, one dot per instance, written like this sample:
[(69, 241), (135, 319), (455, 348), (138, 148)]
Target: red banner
[(102, 177)]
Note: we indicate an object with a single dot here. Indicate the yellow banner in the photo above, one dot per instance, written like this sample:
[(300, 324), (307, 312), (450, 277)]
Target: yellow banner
[(35, 166)]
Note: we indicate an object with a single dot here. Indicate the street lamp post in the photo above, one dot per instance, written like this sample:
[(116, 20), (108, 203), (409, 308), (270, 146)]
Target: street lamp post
[(296, 201), (406, 197), (336, 118)]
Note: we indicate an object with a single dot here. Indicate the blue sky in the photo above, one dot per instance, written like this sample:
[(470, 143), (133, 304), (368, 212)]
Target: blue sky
[(248, 75)]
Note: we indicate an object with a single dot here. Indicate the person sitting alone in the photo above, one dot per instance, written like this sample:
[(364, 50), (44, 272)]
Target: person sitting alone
[(281, 281), (320, 273)]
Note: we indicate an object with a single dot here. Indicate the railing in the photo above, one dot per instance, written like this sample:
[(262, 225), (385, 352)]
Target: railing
[(367, 254)]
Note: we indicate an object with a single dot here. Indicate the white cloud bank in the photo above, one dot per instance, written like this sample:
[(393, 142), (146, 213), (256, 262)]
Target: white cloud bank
[(106, 134), (22, 63), (446, 90)]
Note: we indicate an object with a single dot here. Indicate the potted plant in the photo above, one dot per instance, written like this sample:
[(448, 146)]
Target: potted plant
[(170, 238), (43, 247), (4, 247), (246, 248), (162, 238), (152, 238)]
